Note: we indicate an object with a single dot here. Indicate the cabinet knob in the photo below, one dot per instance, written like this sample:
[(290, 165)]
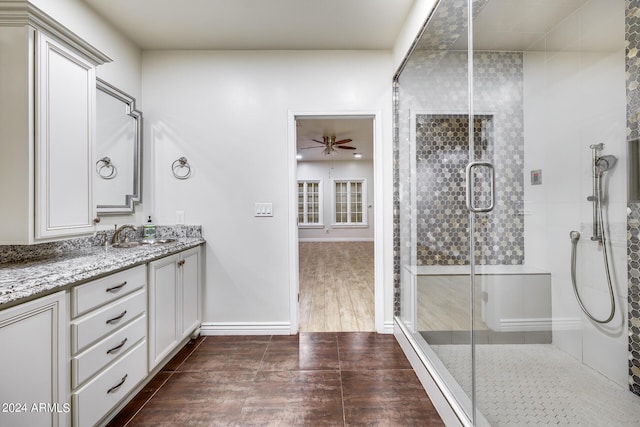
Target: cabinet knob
[(181, 263)]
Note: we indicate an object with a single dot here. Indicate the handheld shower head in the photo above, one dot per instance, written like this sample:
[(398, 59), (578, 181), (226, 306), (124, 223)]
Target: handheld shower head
[(605, 163), (575, 236), (597, 147)]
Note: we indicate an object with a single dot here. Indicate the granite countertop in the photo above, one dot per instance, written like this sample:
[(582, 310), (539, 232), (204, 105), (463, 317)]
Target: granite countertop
[(27, 279)]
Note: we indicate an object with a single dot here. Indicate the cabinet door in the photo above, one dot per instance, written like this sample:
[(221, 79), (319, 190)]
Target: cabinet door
[(163, 308), (190, 266), (65, 116), (32, 363)]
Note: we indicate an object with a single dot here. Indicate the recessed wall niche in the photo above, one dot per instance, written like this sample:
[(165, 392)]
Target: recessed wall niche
[(442, 153)]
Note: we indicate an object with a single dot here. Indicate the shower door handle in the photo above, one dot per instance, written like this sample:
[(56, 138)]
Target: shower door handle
[(471, 188)]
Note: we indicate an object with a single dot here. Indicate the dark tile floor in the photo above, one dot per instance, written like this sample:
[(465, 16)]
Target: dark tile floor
[(336, 379)]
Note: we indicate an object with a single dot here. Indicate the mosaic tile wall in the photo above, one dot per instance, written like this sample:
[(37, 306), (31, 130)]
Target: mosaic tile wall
[(442, 154), (396, 203), (632, 31), (434, 82)]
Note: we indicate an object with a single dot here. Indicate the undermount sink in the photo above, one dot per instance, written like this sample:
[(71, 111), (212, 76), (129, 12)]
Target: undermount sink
[(121, 245), (137, 243), (156, 241)]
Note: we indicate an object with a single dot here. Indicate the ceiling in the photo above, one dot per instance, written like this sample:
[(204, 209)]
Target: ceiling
[(257, 24), (359, 129), (523, 25)]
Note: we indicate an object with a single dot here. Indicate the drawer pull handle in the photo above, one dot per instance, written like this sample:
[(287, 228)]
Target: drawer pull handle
[(118, 347), (116, 288), (117, 386), (115, 319)]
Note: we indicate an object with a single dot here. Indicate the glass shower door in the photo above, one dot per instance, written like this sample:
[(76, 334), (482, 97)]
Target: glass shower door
[(435, 144), (495, 171), (547, 82)]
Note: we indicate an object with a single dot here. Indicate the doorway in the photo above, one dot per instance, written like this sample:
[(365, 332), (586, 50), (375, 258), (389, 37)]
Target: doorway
[(334, 183)]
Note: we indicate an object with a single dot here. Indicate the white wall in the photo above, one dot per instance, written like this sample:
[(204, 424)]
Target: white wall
[(125, 70), (228, 113), (326, 172), (575, 98)]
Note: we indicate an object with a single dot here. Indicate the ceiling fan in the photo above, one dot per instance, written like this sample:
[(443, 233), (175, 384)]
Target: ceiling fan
[(330, 144)]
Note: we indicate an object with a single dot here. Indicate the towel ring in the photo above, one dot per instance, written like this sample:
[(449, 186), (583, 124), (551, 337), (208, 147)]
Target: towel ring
[(178, 165), (106, 169)]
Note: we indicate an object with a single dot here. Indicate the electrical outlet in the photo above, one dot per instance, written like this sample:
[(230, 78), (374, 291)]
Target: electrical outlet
[(179, 217), (263, 209)]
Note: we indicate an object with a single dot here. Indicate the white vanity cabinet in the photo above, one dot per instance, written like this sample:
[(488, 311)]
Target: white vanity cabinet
[(108, 342), (174, 302), (47, 120), (33, 360)]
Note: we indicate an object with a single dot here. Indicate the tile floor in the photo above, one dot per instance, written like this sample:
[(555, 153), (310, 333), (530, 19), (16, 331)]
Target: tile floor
[(539, 384), (313, 379)]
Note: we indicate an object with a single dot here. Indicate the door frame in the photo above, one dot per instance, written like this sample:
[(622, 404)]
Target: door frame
[(378, 235)]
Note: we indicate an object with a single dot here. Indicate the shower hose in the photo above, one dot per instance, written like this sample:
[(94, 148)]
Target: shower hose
[(575, 236)]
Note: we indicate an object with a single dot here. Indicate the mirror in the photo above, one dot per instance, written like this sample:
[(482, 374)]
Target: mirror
[(117, 184)]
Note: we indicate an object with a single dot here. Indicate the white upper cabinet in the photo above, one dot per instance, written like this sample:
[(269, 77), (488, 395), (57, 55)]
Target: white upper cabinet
[(47, 127), (65, 105)]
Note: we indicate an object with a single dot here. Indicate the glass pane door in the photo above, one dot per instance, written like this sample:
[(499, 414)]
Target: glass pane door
[(548, 83), (434, 151)]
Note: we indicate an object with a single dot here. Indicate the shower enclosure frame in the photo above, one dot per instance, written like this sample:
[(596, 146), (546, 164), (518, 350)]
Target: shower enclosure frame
[(431, 378)]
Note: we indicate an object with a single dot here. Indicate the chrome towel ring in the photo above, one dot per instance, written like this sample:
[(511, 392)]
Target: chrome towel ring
[(106, 169), (181, 168)]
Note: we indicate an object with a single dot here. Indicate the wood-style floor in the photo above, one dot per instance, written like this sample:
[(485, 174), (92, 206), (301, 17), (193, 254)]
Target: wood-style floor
[(313, 379), (444, 304), (336, 286)]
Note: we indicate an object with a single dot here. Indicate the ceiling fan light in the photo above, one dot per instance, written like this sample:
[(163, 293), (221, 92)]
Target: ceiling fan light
[(357, 155)]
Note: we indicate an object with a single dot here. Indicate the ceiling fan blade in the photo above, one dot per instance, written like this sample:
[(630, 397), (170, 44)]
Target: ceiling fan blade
[(343, 141), (306, 148), (346, 147), (320, 142)]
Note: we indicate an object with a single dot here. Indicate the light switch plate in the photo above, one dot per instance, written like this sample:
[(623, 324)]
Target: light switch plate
[(263, 209)]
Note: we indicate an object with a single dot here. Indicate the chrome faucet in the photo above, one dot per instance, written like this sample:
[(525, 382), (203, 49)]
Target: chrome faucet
[(119, 230)]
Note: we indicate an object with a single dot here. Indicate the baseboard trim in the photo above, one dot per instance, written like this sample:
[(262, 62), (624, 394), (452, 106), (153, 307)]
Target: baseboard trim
[(336, 239), (388, 327), (245, 328), (532, 324)]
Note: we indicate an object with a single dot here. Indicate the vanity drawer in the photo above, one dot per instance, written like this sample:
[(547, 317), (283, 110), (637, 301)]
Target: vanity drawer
[(94, 326), (100, 395), (86, 364), (102, 291)]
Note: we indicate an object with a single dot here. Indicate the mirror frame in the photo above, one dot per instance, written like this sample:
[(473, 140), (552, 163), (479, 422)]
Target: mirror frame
[(136, 197)]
